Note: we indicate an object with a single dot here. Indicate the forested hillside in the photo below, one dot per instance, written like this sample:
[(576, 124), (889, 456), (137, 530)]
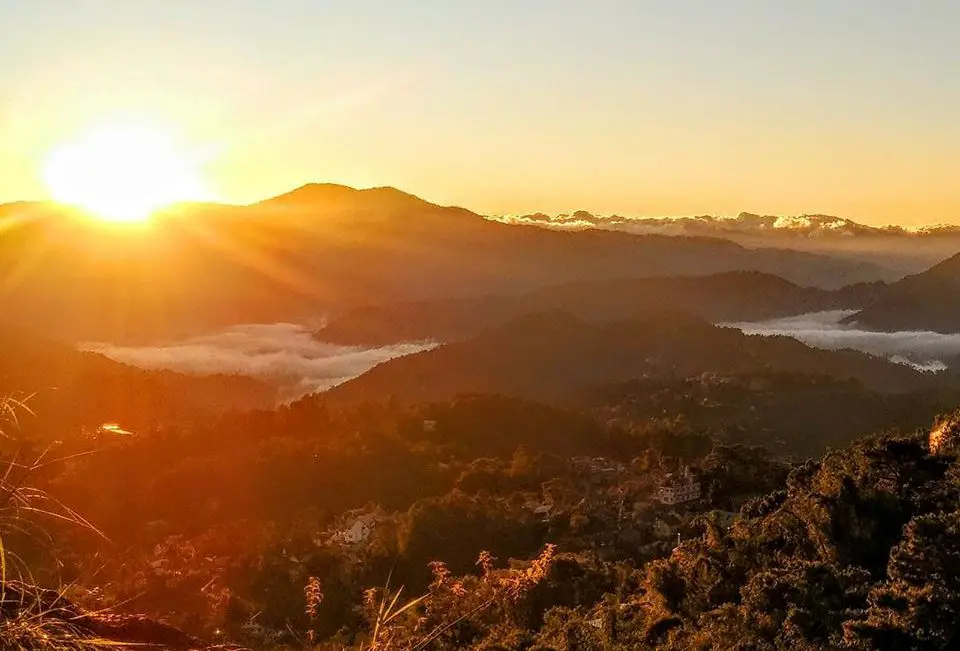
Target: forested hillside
[(555, 356), (725, 297), (274, 528)]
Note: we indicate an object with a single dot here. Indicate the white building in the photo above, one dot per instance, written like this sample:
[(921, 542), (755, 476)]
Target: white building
[(358, 530), (679, 488)]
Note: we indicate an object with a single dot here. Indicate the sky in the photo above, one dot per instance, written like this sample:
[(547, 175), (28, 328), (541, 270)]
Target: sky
[(635, 107)]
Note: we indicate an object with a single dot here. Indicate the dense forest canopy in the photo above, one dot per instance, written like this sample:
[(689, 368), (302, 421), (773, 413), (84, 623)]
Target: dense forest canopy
[(219, 527)]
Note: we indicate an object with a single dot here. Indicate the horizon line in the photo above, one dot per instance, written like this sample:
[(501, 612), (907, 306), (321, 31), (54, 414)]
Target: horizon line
[(507, 217)]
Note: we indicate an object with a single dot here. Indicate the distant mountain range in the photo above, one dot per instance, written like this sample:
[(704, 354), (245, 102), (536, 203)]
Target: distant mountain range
[(323, 249), (814, 225), (555, 356), (727, 297), (907, 250)]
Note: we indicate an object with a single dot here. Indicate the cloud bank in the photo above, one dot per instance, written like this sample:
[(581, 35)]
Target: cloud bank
[(928, 351), (282, 354), (809, 226), (290, 358)]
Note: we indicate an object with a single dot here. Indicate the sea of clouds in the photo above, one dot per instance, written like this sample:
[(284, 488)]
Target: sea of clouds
[(289, 357), (284, 354), (928, 351)]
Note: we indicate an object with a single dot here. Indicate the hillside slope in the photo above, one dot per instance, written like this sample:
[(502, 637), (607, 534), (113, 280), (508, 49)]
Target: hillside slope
[(926, 301), (554, 356), (80, 389), (727, 297), (857, 551)]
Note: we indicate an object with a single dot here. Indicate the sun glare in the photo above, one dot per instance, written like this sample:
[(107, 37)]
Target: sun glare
[(123, 172)]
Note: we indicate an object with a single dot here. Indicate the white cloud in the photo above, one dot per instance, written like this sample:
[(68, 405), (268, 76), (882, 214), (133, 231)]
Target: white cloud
[(921, 349), (283, 354)]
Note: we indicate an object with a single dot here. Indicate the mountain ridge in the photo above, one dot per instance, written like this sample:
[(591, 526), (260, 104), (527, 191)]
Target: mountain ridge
[(299, 260), (733, 296), (906, 249), (804, 224), (553, 356), (808, 224), (927, 301)]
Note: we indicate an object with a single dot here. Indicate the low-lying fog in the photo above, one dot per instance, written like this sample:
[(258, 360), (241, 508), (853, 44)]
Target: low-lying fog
[(928, 351), (283, 354), (290, 358)]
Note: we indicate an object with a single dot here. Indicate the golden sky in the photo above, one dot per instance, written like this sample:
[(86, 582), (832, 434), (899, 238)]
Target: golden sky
[(636, 107)]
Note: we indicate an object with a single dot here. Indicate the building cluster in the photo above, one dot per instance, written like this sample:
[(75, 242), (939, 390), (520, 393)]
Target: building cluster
[(678, 488), (597, 490)]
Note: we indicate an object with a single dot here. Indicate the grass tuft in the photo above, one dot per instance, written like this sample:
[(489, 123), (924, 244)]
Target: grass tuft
[(32, 618)]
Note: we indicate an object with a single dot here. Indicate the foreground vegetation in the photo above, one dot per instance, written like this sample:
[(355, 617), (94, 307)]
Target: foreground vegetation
[(486, 523)]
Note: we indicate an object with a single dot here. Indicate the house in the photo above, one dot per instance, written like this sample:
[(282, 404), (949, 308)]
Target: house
[(358, 529), (677, 488), (543, 509)]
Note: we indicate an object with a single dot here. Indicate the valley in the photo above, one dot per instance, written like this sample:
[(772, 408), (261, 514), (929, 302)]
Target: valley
[(584, 429)]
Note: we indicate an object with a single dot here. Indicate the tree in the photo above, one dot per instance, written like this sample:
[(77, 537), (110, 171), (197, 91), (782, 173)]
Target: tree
[(918, 607)]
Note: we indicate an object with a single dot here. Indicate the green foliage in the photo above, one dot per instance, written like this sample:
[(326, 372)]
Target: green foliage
[(790, 414), (227, 529)]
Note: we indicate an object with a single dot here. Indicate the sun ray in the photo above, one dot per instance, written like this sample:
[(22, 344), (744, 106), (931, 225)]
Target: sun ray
[(251, 256), (27, 259)]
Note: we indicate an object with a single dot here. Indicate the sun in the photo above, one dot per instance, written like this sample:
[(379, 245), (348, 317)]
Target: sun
[(123, 172)]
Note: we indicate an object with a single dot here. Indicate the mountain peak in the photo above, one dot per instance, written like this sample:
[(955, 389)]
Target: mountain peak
[(312, 193), (334, 193)]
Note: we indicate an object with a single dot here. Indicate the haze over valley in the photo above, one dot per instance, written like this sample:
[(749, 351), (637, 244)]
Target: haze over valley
[(274, 294), (282, 354)]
